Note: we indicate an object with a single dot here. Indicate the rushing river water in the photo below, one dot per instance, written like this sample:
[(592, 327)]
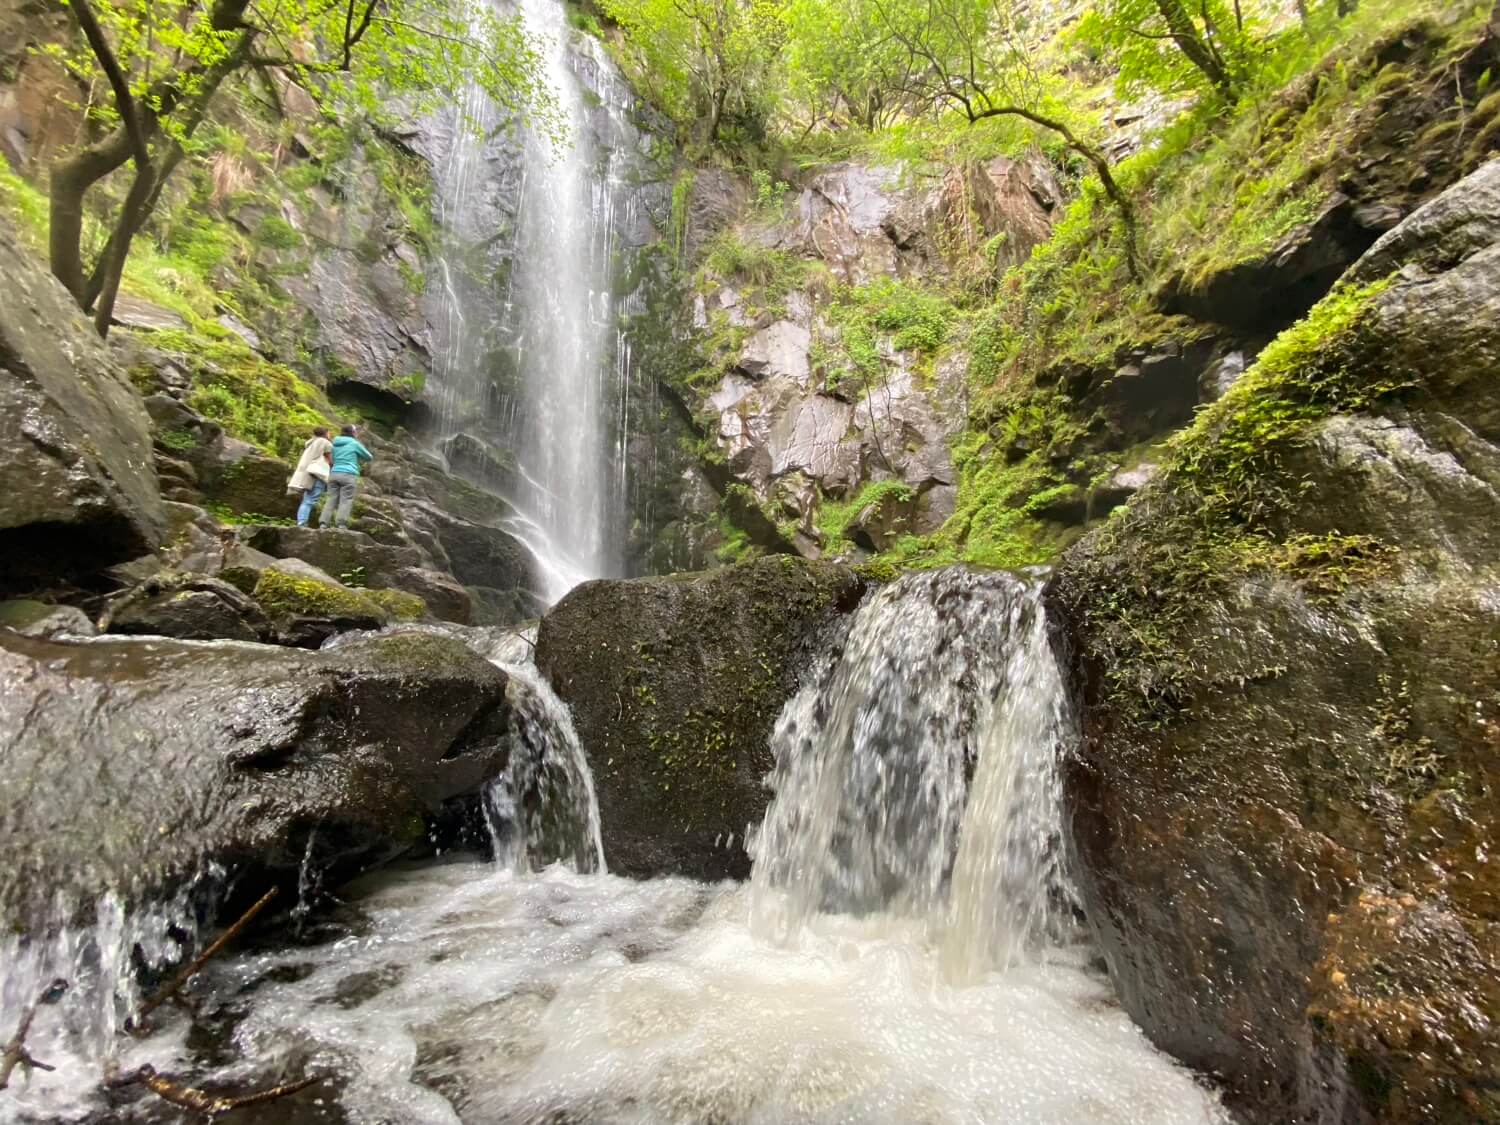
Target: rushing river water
[(906, 951)]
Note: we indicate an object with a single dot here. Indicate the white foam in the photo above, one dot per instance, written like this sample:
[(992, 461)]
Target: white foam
[(484, 996)]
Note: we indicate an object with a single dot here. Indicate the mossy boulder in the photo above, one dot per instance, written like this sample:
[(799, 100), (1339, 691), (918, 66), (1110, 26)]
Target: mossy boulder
[(77, 492), (307, 606), (351, 556), (1287, 654), (165, 760), (398, 604), (675, 684)]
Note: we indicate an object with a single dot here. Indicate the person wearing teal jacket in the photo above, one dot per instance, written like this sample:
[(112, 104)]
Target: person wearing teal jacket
[(349, 457)]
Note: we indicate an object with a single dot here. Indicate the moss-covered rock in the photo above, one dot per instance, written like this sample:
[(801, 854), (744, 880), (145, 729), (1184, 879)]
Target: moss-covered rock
[(307, 606), (1288, 657), (398, 604), (674, 684)]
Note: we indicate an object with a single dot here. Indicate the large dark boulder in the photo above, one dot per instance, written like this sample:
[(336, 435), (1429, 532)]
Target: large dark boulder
[(159, 758), (675, 684), (1287, 654), (77, 490)]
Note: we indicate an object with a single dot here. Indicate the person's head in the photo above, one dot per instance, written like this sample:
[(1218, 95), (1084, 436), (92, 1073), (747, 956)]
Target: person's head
[(320, 431), (348, 430)]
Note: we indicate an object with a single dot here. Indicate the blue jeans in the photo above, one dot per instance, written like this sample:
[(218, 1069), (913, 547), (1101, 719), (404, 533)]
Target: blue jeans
[(310, 501)]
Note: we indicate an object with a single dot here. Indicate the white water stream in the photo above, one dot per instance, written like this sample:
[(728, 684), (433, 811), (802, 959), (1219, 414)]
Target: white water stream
[(905, 952)]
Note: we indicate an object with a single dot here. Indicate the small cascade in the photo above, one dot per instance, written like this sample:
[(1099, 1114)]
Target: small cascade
[(917, 775), (542, 809)]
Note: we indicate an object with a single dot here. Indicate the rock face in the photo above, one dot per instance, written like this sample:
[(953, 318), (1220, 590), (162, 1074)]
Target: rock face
[(76, 481), (1287, 653), (796, 428), (160, 757), (674, 684)]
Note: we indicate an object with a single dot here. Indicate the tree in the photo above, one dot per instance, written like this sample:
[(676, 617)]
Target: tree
[(1180, 45), (702, 60), (165, 61), (974, 56), (843, 63)]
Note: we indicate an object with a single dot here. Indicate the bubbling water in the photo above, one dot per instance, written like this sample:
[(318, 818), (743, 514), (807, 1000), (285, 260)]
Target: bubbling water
[(944, 675), (905, 952)]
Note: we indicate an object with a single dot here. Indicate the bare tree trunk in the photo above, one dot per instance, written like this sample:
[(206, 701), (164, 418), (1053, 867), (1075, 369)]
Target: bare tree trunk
[(70, 181), (1192, 44)]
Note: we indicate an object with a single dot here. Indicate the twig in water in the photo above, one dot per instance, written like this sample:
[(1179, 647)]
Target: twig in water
[(190, 970), (15, 1053), (199, 1101)]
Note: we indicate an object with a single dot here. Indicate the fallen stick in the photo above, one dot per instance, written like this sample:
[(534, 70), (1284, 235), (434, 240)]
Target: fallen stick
[(190, 970), (15, 1053), (199, 1101)]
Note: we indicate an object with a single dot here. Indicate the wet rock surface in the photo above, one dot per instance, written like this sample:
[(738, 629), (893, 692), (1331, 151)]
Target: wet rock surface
[(1286, 796), (76, 482), (159, 758), (674, 684)]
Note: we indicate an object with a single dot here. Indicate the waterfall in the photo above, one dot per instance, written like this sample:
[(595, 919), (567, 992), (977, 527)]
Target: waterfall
[(528, 354), (542, 809), (945, 676)]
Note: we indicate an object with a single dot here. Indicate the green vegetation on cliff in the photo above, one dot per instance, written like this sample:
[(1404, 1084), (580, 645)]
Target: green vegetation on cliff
[(1296, 142)]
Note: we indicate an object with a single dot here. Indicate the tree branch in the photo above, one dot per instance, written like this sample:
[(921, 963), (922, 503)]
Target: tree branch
[(124, 100)]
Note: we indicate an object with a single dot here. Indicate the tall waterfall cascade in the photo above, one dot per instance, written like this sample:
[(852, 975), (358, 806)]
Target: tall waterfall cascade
[(530, 359)]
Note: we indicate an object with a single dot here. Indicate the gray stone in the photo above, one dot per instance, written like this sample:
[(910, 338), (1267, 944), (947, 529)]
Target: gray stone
[(182, 755), (137, 312), (1443, 231), (445, 596), (779, 349), (77, 490), (47, 622), (189, 608)]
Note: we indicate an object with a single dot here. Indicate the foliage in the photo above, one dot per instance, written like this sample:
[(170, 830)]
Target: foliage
[(834, 517), (703, 62), (254, 399)]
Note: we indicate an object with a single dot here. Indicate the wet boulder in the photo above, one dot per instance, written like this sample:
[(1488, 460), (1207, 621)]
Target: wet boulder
[(674, 684), (38, 619), (77, 490), (1286, 653), (236, 475), (190, 607), (308, 606), (163, 758), (350, 556)]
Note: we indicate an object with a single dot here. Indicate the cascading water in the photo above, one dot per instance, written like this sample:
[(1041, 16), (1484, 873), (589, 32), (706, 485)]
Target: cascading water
[(529, 357), (943, 675), (902, 953), (542, 809)]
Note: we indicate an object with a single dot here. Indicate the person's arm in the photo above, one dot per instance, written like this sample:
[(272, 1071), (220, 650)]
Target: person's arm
[(362, 453)]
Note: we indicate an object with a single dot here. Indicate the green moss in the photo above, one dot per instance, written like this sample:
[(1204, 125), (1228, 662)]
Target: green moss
[(1230, 456), (276, 233), (400, 605), (834, 518), (179, 440), (264, 403), (287, 595)]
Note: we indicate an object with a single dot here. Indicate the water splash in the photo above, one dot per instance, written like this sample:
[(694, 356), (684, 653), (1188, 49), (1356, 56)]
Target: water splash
[(944, 676)]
